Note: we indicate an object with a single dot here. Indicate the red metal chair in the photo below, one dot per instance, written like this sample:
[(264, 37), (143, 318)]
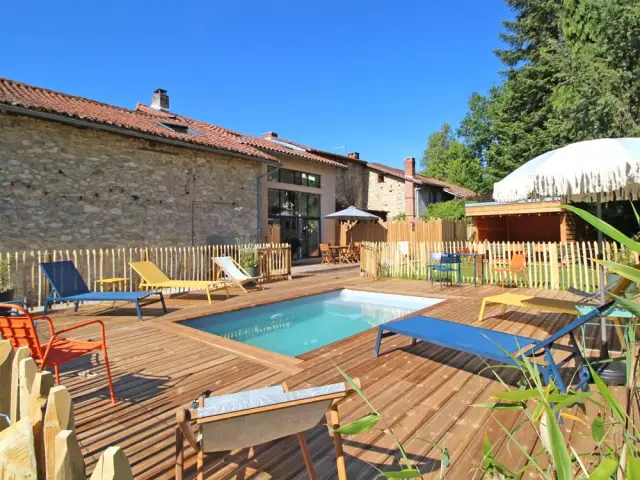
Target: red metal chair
[(18, 326)]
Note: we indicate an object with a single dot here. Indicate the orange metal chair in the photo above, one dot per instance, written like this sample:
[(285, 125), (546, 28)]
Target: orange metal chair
[(517, 265), (18, 326)]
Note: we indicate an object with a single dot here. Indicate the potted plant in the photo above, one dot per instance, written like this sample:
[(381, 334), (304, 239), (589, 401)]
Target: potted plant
[(6, 286), (249, 261)]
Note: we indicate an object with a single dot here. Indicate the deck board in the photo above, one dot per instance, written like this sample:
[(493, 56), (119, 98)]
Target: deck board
[(422, 390)]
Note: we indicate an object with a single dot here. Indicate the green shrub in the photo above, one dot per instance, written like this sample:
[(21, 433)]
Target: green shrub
[(450, 209), (400, 216)]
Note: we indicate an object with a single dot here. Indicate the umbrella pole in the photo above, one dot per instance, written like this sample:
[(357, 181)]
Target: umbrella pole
[(604, 348), (612, 373)]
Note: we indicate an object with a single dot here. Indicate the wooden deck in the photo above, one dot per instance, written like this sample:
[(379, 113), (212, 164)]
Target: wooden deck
[(423, 391)]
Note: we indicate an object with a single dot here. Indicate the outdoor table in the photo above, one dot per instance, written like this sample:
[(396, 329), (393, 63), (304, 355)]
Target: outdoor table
[(113, 282), (475, 257), (338, 251)]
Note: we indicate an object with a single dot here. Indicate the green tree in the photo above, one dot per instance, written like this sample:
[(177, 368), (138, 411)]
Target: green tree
[(448, 159)]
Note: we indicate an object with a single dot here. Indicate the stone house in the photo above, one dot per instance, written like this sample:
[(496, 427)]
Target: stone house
[(78, 173), (395, 191)]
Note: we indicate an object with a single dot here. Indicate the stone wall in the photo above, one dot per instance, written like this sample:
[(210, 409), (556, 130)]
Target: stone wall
[(352, 185), (388, 196), (68, 187)]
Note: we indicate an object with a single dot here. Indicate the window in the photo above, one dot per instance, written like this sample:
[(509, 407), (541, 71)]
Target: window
[(380, 178), (180, 128), (293, 177)]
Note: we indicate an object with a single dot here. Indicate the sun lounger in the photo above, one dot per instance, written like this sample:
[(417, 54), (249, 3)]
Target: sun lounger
[(587, 296), (235, 273), (548, 304), (498, 346), (153, 277), (245, 419), (67, 285)]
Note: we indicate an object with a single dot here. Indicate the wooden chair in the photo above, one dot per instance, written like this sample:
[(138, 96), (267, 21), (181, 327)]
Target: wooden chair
[(517, 265), (326, 254), (235, 274), (245, 419), (18, 326), (352, 254)]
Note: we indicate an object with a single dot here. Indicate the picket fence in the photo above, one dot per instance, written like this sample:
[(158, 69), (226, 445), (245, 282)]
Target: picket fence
[(181, 263), (549, 265), (432, 230)]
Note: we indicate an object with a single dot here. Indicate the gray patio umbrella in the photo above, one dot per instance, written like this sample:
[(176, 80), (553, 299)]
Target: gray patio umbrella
[(352, 214), (605, 168)]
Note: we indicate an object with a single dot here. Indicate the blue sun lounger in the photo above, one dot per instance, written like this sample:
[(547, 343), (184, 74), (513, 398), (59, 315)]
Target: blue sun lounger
[(67, 285), (495, 345)]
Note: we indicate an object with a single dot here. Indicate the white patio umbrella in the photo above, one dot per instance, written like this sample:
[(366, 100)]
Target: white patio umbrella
[(592, 170), (352, 214)]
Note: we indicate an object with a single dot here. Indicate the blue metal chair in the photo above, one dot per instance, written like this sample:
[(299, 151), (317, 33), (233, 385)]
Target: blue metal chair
[(449, 264), (67, 285)]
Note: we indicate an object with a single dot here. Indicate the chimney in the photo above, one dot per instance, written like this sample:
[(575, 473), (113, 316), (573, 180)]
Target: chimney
[(160, 100), (410, 166), (355, 155), (409, 188), (270, 135)]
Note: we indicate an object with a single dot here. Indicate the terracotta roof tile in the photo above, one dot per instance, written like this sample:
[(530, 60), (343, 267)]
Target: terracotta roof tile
[(143, 119), (300, 151)]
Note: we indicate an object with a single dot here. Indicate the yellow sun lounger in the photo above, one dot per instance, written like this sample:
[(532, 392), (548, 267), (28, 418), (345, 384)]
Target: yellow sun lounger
[(529, 301), (546, 304), (153, 277)]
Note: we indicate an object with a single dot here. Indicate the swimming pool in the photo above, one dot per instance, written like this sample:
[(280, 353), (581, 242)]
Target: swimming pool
[(297, 326)]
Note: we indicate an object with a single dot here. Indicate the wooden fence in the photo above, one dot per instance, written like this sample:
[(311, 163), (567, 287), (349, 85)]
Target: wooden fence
[(37, 428), (181, 263), (549, 265), (432, 230)]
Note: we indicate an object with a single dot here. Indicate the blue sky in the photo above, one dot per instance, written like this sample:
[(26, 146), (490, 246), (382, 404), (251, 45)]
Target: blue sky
[(373, 77)]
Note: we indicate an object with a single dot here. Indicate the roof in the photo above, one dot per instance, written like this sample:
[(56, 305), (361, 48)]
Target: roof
[(451, 188), (547, 205), (277, 146), (146, 120)]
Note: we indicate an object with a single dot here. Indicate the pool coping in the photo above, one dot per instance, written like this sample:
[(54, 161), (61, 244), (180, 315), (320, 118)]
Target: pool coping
[(277, 361)]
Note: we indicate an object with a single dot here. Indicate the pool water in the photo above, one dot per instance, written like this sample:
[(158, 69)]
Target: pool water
[(297, 326)]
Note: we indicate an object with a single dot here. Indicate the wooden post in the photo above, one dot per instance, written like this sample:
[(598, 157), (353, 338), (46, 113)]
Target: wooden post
[(17, 456), (58, 417), (68, 461), (112, 465), (6, 363), (555, 270), (26, 375), (19, 355), (42, 384)]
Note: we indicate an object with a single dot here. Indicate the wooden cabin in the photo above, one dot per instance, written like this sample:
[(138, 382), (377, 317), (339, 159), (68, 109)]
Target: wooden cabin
[(530, 221)]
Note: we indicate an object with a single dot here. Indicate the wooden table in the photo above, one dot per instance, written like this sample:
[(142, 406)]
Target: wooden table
[(113, 282), (339, 252)]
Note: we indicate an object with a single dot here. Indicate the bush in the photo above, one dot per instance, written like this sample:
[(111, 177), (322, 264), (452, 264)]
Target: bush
[(400, 217), (450, 209)]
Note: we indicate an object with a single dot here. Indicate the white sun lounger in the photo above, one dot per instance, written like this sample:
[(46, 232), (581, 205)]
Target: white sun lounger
[(234, 272), (245, 419)]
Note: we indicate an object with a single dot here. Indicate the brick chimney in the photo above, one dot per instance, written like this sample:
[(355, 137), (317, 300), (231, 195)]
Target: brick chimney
[(409, 188), (355, 155), (160, 100), (410, 166), (269, 135)]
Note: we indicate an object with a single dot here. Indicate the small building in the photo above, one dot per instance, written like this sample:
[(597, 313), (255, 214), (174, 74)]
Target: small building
[(395, 191), (527, 221)]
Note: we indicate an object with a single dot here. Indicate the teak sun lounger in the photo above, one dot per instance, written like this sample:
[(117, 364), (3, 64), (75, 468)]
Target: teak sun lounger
[(498, 345), (67, 285), (235, 273), (245, 419), (153, 277)]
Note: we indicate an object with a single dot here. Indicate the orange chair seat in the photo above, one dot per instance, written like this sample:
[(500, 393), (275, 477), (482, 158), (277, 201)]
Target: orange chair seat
[(64, 350)]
